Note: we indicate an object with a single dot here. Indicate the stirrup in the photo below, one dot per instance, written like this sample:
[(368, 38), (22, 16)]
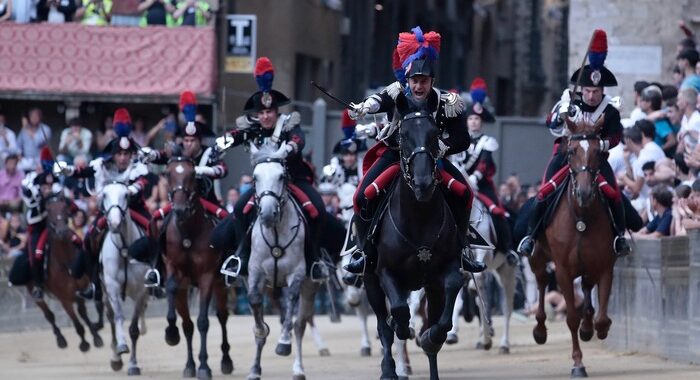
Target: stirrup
[(323, 269), (523, 242), (231, 275), (88, 293), (145, 277), (623, 253)]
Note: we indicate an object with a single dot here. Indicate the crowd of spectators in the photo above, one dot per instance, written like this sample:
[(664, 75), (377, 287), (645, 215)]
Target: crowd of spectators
[(108, 12)]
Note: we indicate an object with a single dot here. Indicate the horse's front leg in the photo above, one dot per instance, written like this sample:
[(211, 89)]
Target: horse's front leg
[(261, 330), (398, 300), (441, 302), (113, 287), (205, 288), (452, 337), (82, 312), (305, 315), (485, 342), (538, 265), (172, 334), (187, 328), (603, 322), (573, 319), (284, 344), (377, 300), (51, 318), (508, 280), (586, 329), (135, 332), (220, 296)]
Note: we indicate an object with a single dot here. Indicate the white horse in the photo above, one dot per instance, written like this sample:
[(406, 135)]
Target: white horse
[(121, 275), (277, 256), (504, 274)]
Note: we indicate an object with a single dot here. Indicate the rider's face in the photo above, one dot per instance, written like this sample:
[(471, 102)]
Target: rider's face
[(592, 95), (191, 146), (349, 159), (268, 118), (474, 123), (122, 159), (420, 86)]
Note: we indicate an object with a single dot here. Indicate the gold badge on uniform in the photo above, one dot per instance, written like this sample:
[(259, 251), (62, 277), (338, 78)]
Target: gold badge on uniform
[(266, 99)]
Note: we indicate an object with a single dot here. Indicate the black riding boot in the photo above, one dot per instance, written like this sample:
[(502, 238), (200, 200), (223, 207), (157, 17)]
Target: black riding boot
[(236, 264), (620, 244), (365, 257), (527, 245), (505, 240), (77, 270), (469, 264), (315, 268), (38, 279)]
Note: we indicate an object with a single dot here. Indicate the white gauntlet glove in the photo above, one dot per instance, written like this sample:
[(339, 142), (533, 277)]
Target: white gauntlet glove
[(366, 130), (359, 110)]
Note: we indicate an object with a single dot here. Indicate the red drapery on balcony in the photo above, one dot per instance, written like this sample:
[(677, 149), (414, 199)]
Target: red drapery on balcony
[(73, 58)]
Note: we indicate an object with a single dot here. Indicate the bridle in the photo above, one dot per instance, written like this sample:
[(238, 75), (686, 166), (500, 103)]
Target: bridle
[(122, 211), (280, 198), (54, 198), (406, 161), (574, 171), (189, 193)]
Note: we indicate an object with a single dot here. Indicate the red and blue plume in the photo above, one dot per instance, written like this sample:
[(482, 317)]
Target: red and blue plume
[(399, 72), (477, 90), (347, 125), (121, 122), (416, 45), (46, 159), (598, 50), (188, 105), (264, 74)]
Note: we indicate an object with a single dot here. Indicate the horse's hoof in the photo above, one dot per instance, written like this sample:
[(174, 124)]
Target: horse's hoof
[(172, 336), (188, 372), (299, 377), (427, 344), (484, 346), (61, 342), (134, 371), (226, 365), (409, 370), (578, 372), (324, 352), (504, 350), (585, 335), (84, 346), (204, 374), (452, 338), (283, 349), (97, 341), (365, 351), (116, 365), (255, 373), (540, 338), (122, 349), (403, 377)]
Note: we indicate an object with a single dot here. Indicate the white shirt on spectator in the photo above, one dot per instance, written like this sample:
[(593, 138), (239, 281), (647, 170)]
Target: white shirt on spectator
[(8, 143), (71, 146), (691, 123), (23, 11), (650, 152), (616, 159), (637, 114)]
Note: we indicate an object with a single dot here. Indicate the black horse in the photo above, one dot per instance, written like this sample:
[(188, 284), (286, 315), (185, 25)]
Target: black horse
[(417, 244)]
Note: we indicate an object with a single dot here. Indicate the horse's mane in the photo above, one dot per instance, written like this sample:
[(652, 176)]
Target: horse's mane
[(266, 152)]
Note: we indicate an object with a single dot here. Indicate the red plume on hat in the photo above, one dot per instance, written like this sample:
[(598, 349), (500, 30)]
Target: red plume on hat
[(46, 159), (188, 105), (416, 45), (347, 124), (264, 74), (598, 50), (477, 90), (121, 123)]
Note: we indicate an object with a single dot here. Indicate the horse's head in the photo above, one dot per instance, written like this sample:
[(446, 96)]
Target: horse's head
[(270, 178), (181, 185), (57, 215), (420, 148), (114, 204), (584, 154)]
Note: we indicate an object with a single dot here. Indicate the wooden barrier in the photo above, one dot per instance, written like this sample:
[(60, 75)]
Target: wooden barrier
[(655, 303)]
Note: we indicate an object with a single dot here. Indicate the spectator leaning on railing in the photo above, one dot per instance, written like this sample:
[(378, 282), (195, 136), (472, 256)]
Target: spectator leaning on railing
[(95, 12), (126, 13), (75, 140), (31, 139), (192, 13), (10, 185), (158, 12), (5, 10), (8, 140), (661, 202)]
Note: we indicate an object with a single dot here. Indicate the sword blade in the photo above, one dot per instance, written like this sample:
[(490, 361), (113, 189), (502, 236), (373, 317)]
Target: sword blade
[(328, 94)]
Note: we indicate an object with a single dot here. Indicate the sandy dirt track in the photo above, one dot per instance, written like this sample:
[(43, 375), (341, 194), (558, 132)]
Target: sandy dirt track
[(34, 355)]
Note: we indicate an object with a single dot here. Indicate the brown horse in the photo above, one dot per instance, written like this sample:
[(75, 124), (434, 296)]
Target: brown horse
[(190, 261), (579, 240), (59, 282)]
